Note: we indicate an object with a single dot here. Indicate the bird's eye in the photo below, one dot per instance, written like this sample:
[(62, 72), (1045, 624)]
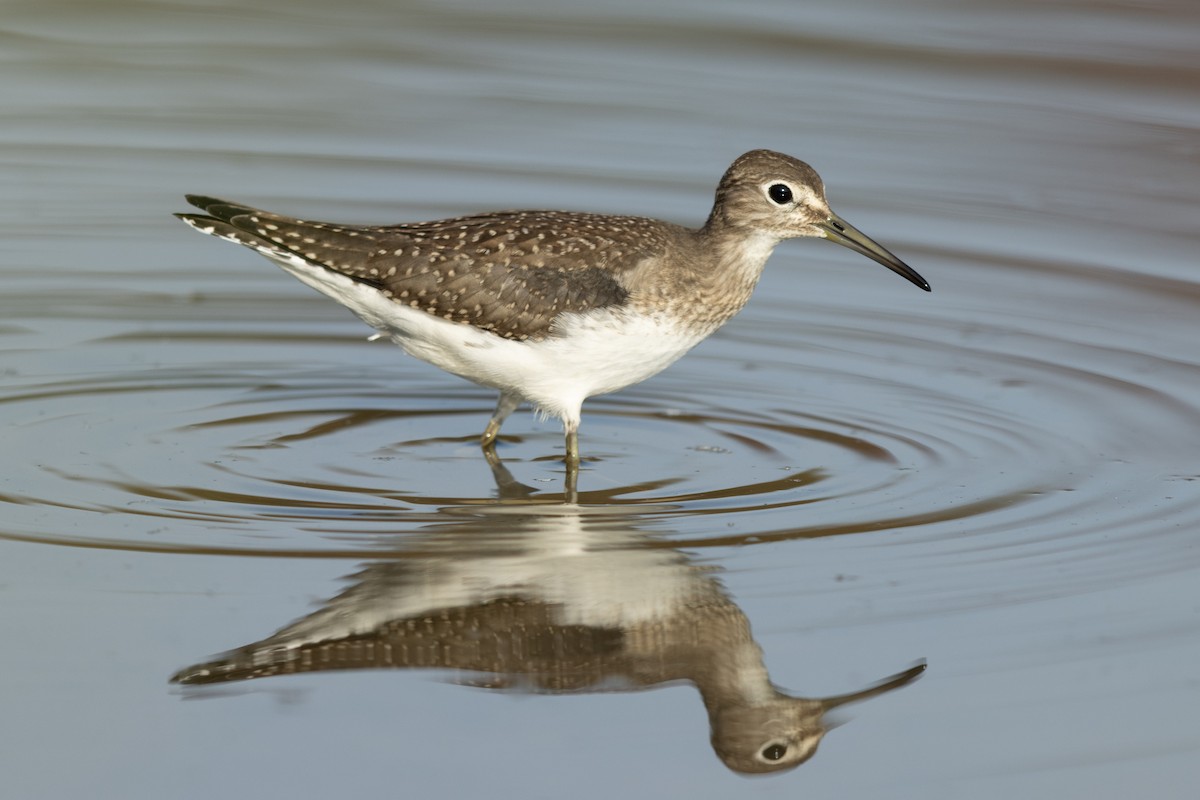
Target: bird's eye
[(774, 752), (780, 193)]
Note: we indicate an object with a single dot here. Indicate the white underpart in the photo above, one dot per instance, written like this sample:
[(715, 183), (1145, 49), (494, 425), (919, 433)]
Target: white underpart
[(588, 354), (590, 575)]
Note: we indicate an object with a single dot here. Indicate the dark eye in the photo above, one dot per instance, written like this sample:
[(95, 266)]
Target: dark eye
[(780, 193), (774, 752)]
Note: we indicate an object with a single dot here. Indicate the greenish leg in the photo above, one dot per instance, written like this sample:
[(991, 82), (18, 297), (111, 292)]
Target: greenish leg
[(504, 406), (572, 448)]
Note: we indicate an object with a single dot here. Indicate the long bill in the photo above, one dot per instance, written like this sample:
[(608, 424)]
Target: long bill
[(838, 230), (885, 685)]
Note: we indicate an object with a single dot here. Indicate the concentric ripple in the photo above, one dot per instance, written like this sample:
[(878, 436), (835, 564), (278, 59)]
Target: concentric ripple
[(800, 420)]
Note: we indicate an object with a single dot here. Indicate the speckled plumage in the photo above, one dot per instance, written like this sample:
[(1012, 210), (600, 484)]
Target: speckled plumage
[(553, 307), (509, 273)]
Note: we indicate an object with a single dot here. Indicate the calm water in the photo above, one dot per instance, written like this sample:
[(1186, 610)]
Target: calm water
[(999, 480)]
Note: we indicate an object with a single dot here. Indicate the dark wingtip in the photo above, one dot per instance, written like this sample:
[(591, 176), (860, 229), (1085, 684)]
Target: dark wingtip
[(203, 202), (196, 220), (218, 209)]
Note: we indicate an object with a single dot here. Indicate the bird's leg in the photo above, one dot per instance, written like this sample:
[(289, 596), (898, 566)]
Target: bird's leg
[(570, 487), (508, 486), (572, 458), (504, 406)]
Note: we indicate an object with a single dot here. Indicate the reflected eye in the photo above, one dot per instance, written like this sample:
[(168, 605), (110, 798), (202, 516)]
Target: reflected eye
[(780, 193), (774, 752)]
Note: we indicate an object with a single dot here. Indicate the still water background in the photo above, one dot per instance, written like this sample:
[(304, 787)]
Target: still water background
[(1000, 478)]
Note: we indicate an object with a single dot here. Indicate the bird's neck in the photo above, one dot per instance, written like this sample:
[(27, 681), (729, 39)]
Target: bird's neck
[(723, 275)]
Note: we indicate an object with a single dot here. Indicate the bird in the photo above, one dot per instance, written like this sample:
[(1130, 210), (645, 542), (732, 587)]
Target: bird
[(553, 307)]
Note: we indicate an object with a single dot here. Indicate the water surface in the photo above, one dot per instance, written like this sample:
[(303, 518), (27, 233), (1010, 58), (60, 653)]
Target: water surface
[(997, 480)]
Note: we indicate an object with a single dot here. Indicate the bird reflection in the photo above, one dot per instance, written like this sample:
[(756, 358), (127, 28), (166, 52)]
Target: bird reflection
[(554, 599)]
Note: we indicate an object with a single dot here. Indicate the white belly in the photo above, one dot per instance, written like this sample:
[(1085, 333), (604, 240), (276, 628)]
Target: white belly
[(589, 354)]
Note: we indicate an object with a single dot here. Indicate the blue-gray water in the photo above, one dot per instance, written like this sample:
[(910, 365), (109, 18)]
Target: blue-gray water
[(999, 478)]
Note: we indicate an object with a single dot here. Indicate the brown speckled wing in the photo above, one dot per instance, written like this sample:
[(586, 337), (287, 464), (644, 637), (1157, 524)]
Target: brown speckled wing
[(504, 639), (510, 273)]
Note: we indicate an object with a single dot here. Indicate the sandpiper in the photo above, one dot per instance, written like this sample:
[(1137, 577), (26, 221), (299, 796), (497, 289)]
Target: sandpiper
[(553, 307)]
